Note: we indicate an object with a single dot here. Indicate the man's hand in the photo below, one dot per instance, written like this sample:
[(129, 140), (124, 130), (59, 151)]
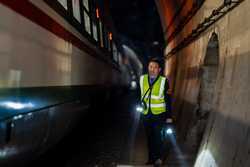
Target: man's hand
[(169, 120)]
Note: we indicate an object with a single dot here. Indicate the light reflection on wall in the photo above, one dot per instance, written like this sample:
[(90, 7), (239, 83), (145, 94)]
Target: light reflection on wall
[(7, 152), (16, 105), (177, 150), (14, 78), (64, 65), (63, 61), (205, 159)]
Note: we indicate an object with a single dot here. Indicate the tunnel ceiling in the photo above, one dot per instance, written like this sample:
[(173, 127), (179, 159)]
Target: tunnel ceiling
[(175, 14), (138, 21)]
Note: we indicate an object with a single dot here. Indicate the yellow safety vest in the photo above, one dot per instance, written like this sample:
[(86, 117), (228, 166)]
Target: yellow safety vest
[(157, 100)]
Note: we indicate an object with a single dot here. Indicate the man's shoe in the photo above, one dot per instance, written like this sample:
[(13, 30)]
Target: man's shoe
[(158, 162)]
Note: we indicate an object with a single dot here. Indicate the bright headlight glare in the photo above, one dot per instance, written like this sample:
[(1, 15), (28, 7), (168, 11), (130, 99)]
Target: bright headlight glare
[(169, 131), (139, 109), (16, 105)]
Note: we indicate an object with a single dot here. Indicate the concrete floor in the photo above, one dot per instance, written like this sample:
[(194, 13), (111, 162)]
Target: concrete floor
[(113, 137)]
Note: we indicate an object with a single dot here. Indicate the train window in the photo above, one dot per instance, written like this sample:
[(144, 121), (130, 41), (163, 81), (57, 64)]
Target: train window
[(95, 34), (115, 56), (106, 40), (76, 10), (86, 4), (101, 33), (119, 58), (85, 15), (63, 3), (87, 22), (109, 47)]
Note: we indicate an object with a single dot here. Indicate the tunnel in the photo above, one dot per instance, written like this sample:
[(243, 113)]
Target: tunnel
[(128, 83)]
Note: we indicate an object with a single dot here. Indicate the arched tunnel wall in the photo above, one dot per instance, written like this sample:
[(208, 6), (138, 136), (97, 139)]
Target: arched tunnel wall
[(172, 12), (226, 140)]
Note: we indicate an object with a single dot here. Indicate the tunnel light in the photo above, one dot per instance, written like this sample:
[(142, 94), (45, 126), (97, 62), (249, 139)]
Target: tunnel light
[(97, 13), (110, 36), (16, 105), (155, 43)]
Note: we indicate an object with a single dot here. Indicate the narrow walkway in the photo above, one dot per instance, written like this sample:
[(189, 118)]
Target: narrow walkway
[(108, 137)]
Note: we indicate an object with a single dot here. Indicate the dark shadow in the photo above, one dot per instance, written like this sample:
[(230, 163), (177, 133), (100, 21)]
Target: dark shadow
[(208, 78)]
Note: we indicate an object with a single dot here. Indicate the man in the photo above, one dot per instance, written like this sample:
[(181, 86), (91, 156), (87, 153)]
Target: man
[(154, 88)]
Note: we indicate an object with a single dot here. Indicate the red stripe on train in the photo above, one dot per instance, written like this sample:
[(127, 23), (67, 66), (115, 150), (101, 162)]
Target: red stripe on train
[(36, 15)]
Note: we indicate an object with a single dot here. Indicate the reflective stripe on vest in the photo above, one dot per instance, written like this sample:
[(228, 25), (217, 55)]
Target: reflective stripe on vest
[(157, 101)]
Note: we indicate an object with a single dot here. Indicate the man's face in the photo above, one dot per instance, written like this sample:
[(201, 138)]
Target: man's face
[(153, 69)]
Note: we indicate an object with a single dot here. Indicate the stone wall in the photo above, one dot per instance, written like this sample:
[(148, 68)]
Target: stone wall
[(210, 79)]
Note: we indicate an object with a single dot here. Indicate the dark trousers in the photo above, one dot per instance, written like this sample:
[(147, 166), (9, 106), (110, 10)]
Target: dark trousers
[(153, 125)]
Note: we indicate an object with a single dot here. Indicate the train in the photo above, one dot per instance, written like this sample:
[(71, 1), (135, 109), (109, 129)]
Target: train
[(57, 58)]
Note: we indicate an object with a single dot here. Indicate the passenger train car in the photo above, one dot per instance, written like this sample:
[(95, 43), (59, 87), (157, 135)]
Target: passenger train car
[(56, 57)]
